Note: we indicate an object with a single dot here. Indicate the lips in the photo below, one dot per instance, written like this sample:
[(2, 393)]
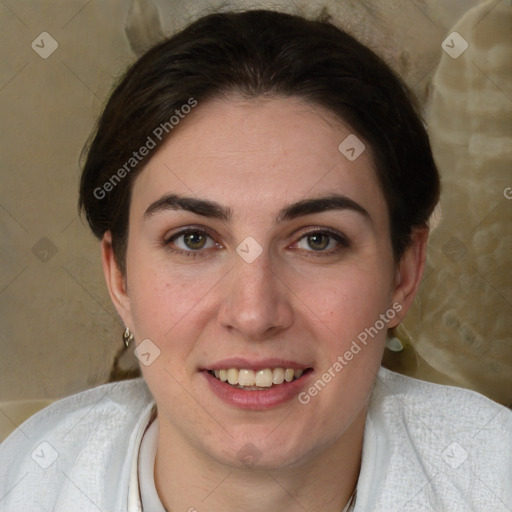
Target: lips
[(256, 385)]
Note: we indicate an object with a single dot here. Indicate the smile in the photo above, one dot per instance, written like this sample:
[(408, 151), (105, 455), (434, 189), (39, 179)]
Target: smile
[(256, 380)]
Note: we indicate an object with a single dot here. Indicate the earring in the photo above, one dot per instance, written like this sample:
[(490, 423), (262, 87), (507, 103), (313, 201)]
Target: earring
[(127, 337), (398, 338)]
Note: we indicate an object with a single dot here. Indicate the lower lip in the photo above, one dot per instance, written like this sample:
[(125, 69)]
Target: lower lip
[(257, 400)]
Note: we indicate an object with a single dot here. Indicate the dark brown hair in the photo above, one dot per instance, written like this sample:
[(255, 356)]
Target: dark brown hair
[(253, 53)]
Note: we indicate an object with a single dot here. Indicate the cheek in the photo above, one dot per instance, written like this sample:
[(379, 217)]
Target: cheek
[(346, 321), (346, 301), (166, 300)]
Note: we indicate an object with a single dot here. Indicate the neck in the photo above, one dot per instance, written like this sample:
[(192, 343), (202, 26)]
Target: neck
[(322, 482)]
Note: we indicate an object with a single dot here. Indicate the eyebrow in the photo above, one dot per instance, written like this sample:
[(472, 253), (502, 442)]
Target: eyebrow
[(214, 210)]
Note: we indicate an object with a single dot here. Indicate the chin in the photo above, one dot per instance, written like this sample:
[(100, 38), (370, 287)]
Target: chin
[(265, 452)]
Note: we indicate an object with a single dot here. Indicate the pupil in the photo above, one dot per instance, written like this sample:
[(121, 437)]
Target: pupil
[(318, 241), (194, 240)]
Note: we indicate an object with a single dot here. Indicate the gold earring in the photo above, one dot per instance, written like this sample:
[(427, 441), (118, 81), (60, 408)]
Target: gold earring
[(127, 337)]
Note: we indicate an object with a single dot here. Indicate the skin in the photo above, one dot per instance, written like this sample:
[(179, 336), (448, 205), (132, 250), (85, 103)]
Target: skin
[(255, 157)]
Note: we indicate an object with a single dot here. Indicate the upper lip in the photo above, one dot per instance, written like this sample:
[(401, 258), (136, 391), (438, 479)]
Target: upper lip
[(255, 364)]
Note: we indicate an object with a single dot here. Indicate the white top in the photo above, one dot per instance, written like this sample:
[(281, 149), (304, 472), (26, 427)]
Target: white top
[(146, 469), (426, 448)]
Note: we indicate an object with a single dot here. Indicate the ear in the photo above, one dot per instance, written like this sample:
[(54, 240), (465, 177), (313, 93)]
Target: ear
[(116, 280), (409, 272)]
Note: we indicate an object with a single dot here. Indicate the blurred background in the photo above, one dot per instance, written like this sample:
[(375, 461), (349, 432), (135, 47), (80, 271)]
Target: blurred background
[(59, 333)]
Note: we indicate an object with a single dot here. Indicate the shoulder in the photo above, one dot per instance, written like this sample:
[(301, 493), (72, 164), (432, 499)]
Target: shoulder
[(438, 406), (70, 447), (437, 447), (78, 412)]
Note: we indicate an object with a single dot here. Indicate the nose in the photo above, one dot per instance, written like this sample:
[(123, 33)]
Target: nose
[(256, 302)]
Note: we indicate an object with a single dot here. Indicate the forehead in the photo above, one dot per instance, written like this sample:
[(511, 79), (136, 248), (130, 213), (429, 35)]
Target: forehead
[(258, 154)]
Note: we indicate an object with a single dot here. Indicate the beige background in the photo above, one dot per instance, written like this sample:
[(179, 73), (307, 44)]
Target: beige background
[(59, 334)]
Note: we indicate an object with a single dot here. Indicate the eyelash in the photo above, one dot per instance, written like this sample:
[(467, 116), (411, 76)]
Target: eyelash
[(189, 254), (342, 241)]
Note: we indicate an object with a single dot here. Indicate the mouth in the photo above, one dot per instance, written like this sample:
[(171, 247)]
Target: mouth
[(258, 380), (256, 384)]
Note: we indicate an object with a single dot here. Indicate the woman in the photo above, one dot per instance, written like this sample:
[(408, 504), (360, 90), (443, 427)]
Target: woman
[(261, 185)]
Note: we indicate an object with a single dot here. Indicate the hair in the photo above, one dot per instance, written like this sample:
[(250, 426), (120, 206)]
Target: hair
[(255, 53)]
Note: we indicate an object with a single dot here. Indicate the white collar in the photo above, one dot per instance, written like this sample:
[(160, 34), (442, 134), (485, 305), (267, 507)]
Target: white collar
[(146, 466), (134, 499)]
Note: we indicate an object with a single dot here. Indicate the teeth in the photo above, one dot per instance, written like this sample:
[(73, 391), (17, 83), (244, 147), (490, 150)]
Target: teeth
[(233, 376), (278, 376), (259, 379), (263, 378), (246, 378)]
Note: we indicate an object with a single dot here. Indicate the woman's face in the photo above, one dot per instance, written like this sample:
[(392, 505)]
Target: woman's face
[(257, 250)]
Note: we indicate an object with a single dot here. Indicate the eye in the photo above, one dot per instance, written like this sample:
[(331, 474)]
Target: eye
[(317, 241), (190, 240), (325, 242)]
